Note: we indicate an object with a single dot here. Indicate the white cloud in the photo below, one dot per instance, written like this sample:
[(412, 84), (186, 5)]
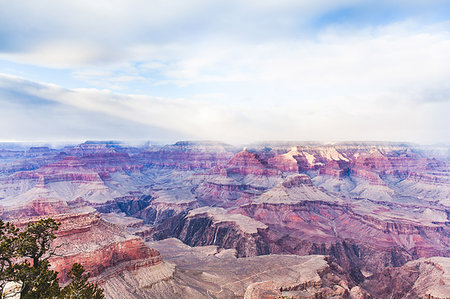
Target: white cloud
[(69, 33), (384, 118), (240, 70)]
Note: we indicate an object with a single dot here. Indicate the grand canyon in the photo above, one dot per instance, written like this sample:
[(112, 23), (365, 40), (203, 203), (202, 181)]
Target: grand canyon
[(206, 219), (225, 149)]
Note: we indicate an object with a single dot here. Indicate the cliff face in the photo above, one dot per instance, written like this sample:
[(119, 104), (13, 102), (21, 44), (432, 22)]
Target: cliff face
[(158, 212), (101, 247), (245, 163), (288, 162), (338, 169), (107, 252), (214, 226), (227, 192), (303, 219), (422, 278)]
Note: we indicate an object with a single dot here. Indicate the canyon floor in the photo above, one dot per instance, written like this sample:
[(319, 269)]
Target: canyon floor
[(211, 220)]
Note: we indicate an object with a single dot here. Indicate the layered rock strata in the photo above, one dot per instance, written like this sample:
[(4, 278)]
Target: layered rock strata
[(104, 249)]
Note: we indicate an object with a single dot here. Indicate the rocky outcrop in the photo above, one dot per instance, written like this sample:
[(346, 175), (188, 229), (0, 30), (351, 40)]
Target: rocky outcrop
[(225, 192), (317, 157), (65, 180), (422, 278), (67, 170), (298, 180), (69, 177), (157, 281), (437, 178), (12, 290), (157, 212), (12, 161), (401, 164), (130, 205), (214, 226), (288, 162), (338, 169), (101, 247), (303, 219), (245, 163), (21, 175), (164, 204), (92, 147)]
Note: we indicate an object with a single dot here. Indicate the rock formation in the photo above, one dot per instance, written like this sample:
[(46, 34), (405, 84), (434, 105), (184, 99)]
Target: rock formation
[(422, 278), (376, 213)]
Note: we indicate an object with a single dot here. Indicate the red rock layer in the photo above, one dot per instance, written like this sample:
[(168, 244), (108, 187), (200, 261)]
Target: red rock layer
[(37, 207), (245, 163), (98, 245), (127, 255), (337, 169), (110, 162), (284, 163), (187, 156)]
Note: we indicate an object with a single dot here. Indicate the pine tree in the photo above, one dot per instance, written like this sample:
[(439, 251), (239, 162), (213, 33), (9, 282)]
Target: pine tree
[(79, 287), (34, 244), (36, 240)]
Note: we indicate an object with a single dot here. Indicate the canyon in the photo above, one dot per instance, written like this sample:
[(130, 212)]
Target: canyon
[(270, 220)]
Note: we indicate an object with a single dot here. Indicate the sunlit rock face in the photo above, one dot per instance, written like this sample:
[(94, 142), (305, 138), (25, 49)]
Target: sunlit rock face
[(245, 163), (103, 248), (375, 213)]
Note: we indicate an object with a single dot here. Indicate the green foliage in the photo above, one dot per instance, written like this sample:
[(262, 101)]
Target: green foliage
[(35, 241), (18, 248), (79, 287), (38, 281), (8, 233)]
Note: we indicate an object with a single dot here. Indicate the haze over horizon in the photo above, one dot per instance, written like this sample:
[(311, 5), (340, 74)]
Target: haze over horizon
[(235, 71)]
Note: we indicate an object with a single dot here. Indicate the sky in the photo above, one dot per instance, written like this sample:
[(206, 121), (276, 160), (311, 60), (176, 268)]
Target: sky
[(235, 71)]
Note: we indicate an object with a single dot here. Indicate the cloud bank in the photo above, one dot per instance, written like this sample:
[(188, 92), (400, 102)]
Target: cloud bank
[(237, 71)]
